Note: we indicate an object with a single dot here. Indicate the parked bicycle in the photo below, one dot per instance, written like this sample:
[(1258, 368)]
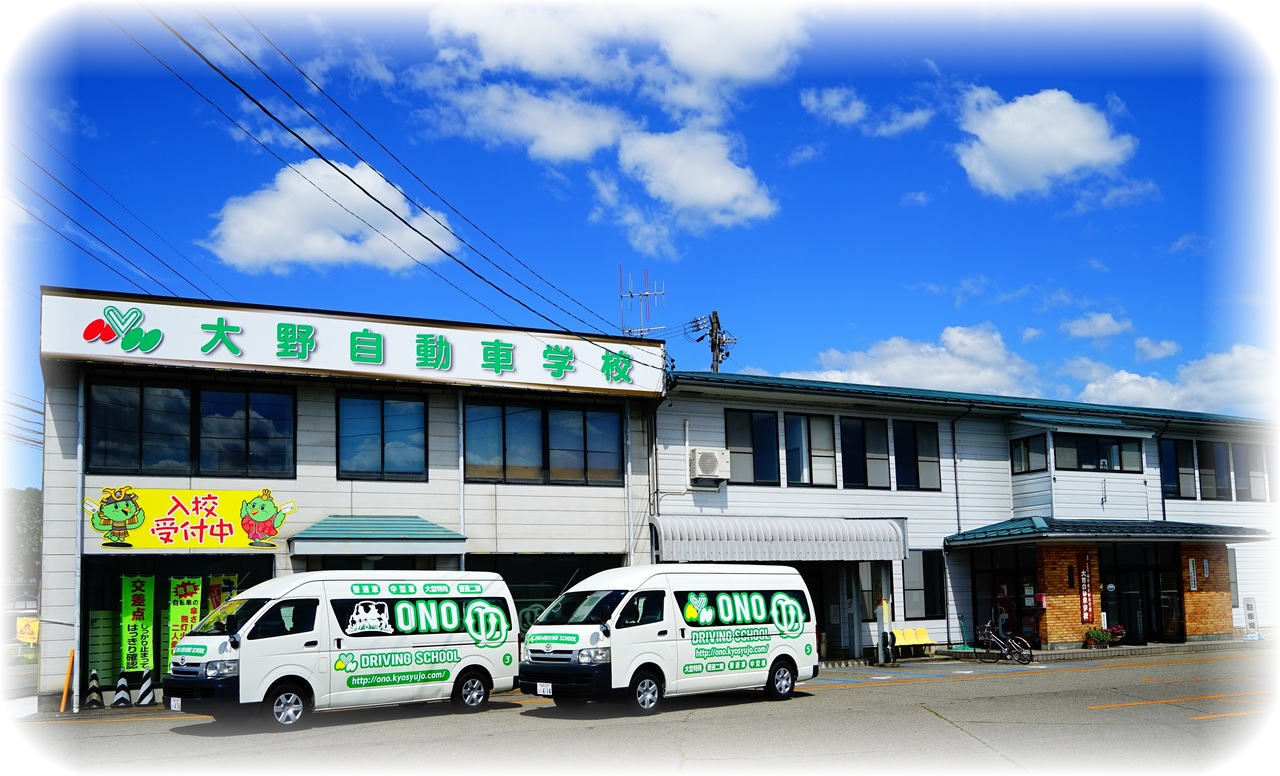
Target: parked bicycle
[(992, 646)]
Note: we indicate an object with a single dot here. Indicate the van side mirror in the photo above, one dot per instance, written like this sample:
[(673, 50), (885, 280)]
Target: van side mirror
[(604, 628), (232, 624), (234, 640)]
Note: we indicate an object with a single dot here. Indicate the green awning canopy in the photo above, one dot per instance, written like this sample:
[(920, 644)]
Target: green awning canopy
[(1040, 529), (377, 535)]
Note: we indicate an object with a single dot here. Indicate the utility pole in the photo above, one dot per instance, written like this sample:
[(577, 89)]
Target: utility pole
[(721, 340)]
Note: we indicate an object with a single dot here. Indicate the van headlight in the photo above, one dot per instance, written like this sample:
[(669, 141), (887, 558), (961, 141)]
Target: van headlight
[(218, 669), (524, 653), (593, 655)]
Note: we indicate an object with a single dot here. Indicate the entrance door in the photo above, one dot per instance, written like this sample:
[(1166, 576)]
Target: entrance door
[(1148, 603)]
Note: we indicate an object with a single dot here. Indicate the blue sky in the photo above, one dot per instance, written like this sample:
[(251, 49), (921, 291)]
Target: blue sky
[(995, 198)]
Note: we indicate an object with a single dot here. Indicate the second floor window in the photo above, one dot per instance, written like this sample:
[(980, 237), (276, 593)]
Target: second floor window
[(864, 446), (1028, 454), (1251, 482), (382, 438), (1177, 468), (1081, 452), (531, 443), (915, 454), (811, 450), (1215, 473), (752, 439), (181, 430)]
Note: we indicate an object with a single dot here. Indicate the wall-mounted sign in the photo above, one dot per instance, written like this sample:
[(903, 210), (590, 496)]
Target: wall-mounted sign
[(129, 520), (136, 653), (150, 330), (1191, 566), (1086, 588)]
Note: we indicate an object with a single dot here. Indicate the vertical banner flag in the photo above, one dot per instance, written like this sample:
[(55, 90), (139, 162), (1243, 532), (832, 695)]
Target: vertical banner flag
[(221, 588), (135, 623), (184, 607)]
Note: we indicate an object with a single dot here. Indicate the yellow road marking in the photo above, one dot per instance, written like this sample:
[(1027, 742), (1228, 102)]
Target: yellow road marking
[(1180, 700), (1232, 714)]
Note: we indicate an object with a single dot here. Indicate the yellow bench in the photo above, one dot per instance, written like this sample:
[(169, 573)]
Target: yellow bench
[(913, 638)]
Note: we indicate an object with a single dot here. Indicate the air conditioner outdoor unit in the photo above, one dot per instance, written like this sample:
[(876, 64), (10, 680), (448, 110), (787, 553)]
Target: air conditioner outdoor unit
[(708, 463)]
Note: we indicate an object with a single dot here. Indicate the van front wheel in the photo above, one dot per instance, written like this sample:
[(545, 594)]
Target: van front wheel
[(646, 692), (287, 705), (782, 681), (470, 692)]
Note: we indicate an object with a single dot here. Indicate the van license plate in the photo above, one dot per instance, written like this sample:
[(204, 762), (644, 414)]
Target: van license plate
[(175, 704), (544, 688)]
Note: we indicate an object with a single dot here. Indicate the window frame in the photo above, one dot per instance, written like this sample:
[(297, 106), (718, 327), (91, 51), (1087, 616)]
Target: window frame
[(1094, 451), (909, 465), (196, 438), (805, 448), (1250, 470), (1022, 443), (757, 420), (1218, 478), (1176, 480), (856, 462), (506, 446), (381, 473)]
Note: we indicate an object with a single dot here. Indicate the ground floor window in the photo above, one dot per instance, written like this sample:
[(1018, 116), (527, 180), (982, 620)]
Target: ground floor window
[(1004, 590), (924, 585)]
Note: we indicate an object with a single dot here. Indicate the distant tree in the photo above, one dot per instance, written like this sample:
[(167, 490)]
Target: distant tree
[(23, 534)]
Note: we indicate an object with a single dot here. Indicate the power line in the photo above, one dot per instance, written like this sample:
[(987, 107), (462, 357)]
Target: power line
[(301, 140), (92, 255), (423, 183), (103, 216), (123, 206)]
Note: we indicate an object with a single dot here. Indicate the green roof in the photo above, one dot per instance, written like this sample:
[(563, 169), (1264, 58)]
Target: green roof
[(1011, 404), (379, 527), (1021, 529)]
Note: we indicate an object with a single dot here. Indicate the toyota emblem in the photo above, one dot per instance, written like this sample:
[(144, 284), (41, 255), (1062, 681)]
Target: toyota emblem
[(182, 660), (548, 647)]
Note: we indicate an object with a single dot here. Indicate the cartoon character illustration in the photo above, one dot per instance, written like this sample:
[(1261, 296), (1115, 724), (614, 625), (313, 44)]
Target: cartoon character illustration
[(261, 518), (369, 616), (697, 610), (116, 515)]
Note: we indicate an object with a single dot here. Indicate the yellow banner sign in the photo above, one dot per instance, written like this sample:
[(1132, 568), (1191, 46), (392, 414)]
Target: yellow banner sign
[(28, 629), (163, 519)]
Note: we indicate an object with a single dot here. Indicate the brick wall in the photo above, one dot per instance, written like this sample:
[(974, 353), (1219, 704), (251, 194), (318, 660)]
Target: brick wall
[(1207, 608), (1059, 580)]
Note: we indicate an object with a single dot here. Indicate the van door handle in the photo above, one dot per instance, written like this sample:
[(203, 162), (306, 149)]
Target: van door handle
[(311, 644), (337, 643), (682, 633), (662, 632)]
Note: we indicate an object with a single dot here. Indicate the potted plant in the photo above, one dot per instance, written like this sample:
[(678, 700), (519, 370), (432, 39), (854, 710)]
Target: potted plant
[(1117, 632), (1096, 638)]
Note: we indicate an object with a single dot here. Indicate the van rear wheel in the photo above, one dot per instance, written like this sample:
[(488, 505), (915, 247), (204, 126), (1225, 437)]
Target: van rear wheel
[(782, 681), (470, 692), (646, 692), (287, 705)]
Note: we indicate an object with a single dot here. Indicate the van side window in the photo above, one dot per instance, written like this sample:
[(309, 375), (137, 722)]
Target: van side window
[(286, 617), (643, 609)]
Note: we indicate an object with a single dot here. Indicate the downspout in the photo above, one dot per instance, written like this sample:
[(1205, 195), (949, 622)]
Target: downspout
[(626, 446), (80, 421), (955, 478), (462, 483), (1160, 468)]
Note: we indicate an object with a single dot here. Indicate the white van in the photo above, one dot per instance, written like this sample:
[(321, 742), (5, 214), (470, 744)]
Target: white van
[(648, 632), (326, 640)]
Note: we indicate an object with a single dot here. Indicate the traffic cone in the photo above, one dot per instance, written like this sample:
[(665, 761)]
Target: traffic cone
[(146, 695), (94, 699), (122, 699)]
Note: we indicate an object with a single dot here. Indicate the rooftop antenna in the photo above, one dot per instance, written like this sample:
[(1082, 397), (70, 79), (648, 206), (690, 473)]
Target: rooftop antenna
[(627, 296)]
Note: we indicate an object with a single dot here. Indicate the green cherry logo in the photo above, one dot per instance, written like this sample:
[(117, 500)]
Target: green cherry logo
[(346, 662)]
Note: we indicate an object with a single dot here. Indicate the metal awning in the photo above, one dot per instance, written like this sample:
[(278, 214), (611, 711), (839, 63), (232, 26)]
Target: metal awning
[(377, 535), (682, 539), (1052, 529)]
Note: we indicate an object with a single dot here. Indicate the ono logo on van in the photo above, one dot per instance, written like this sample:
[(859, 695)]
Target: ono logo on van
[(485, 620), (785, 609)]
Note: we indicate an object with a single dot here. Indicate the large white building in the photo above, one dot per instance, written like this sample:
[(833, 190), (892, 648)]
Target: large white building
[(193, 448)]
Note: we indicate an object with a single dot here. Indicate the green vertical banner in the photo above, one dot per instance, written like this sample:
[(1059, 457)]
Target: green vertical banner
[(136, 638), (184, 608)]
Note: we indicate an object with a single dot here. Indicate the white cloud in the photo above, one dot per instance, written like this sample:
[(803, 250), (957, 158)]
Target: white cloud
[(1130, 193), (1147, 349), (837, 104), (965, 358), (554, 128), (1029, 334), (1096, 326), (289, 223), (12, 214), (898, 121), (691, 170), (1097, 266), (650, 234), (810, 152), (1240, 381), (915, 198), (1035, 142), (69, 120), (1189, 243), (266, 131)]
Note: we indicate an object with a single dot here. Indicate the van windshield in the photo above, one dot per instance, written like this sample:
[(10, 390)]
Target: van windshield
[(581, 606), (216, 623)]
